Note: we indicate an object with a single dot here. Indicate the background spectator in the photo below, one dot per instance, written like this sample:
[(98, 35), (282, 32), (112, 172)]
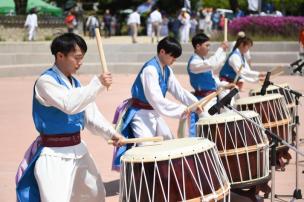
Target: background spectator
[(91, 24), (70, 21), (184, 18), (134, 23), (156, 20), (107, 20), (31, 23)]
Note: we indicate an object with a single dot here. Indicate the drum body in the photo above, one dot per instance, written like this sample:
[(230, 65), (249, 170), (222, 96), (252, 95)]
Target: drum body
[(176, 170), (289, 99), (243, 147), (273, 111)]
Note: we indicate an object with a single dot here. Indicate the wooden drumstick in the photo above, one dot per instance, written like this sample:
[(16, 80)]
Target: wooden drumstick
[(101, 52), (140, 140), (203, 101), (238, 74), (208, 98), (226, 30)]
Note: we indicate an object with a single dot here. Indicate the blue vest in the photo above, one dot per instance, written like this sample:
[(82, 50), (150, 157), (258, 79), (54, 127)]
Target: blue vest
[(201, 81), (228, 71), (138, 93), (137, 90), (50, 120)]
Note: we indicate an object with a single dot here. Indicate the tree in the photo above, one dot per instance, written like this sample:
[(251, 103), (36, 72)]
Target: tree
[(20, 6)]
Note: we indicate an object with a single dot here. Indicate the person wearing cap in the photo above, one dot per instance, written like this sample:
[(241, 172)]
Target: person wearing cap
[(200, 70), (184, 29)]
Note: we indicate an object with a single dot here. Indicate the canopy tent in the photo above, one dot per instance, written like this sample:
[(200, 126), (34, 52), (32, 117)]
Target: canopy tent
[(7, 6), (43, 7)]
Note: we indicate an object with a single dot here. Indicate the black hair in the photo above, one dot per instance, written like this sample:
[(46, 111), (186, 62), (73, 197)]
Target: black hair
[(199, 39), (66, 43), (171, 46), (242, 40)]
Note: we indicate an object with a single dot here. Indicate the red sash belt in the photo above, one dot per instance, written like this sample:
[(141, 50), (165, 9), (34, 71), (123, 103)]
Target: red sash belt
[(203, 93), (141, 105), (61, 140)]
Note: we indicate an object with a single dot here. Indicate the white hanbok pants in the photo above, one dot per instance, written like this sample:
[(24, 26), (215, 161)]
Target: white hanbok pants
[(68, 179), (148, 123)]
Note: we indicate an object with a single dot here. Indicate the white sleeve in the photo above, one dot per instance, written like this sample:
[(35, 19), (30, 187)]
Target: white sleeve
[(96, 123), (175, 88), (212, 63), (153, 93), (71, 101), (246, 73)]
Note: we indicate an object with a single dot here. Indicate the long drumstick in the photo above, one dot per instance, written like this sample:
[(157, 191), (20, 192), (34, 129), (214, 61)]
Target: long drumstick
[(140, 140), (226, 30), (101, 52), (203, 101), (238, 74)]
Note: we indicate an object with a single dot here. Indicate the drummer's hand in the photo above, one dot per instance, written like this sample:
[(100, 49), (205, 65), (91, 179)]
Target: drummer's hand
[(186, 113), (199, 110), (118, 140), (224, 45), (262, 76), (106, 79), (230, 86)]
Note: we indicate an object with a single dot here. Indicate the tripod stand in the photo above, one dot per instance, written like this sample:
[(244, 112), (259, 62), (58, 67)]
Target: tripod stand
[(297, 192), (275, 139)]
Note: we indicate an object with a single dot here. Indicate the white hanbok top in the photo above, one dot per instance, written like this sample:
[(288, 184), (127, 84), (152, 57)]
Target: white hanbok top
[(31, 20), (235, 61), (200, 65), (71, 101), (154, 96)]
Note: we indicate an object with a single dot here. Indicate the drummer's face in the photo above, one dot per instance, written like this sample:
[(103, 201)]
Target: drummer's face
[(166, 58), (203, 49), (244, 48)]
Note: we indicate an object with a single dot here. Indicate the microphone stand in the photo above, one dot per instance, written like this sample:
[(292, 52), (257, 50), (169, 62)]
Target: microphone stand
[(275, 139), (297, 192)]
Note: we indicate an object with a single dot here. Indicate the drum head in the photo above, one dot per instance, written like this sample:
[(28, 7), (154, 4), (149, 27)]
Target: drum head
[(269, 88), (229, 116), (169, 149), (258, 99)]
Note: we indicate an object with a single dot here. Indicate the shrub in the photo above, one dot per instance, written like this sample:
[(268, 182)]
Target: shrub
[(267, 26)]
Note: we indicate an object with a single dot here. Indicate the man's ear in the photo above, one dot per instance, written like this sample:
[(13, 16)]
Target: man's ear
[(59, 55), (162, 52)]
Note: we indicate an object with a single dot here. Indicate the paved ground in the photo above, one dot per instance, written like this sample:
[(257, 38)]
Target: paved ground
[(18, 131)]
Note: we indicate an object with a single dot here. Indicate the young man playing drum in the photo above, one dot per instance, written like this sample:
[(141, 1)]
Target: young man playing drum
[(200, 70), (148, 102), (62, 168)]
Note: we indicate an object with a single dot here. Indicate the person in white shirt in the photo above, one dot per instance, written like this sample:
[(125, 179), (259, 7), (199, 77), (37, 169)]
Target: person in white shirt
[(63, 168), (236, 68), (91, 24), (31, 23), (184, 30), (149, 102), (156, 20), (134, 23), (253, 6), (201, 76)]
